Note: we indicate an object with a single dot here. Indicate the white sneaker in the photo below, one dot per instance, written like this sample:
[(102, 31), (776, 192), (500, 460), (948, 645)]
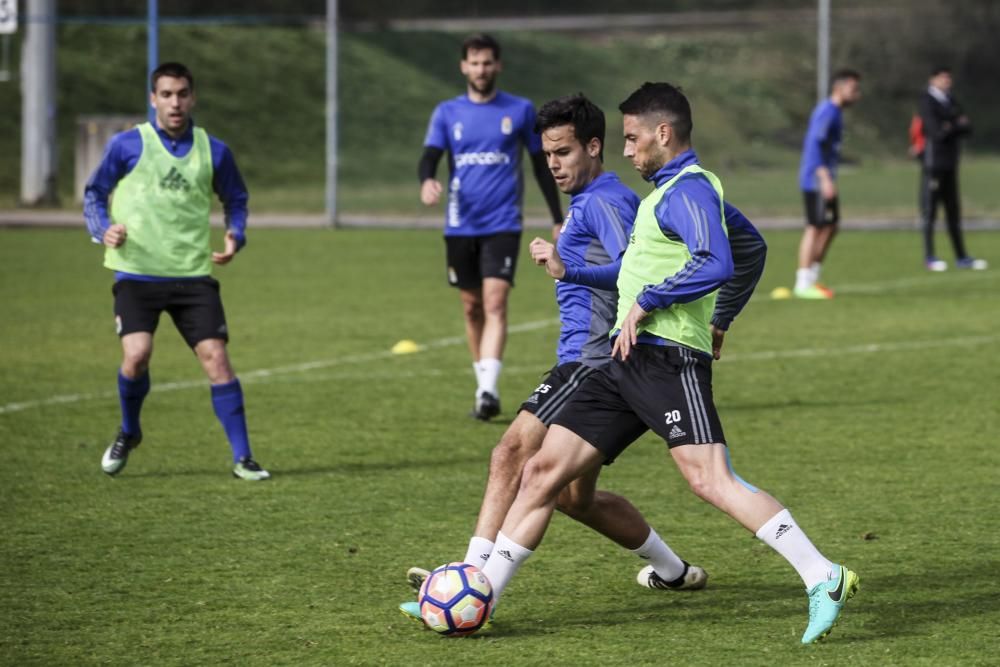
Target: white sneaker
[(250, 470), (694, 578), (973, 264), (936, 265), (416, 577), (116, 455)]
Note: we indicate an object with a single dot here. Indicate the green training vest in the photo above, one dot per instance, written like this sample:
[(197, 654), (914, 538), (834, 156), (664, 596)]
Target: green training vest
[(164, 204), (650, 258)]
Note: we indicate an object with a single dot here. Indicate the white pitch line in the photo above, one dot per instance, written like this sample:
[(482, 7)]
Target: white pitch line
[(279, 373), (768, 355), (881, 286), (263, 373), (866, 348), (916, 281)]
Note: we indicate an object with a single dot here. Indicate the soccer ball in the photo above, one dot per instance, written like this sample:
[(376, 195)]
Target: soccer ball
[(456, 599)]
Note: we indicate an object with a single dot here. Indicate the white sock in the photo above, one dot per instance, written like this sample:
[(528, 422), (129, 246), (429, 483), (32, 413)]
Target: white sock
[(664, 561), (803, 279), (502, 565), (815, 269), (490, 376), (478, 552), (782, 534), (477, 369)]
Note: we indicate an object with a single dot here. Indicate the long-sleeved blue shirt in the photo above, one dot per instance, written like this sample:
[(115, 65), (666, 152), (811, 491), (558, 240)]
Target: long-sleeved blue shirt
[(591, 244), (123, 153), (749, 254), (689, 212)]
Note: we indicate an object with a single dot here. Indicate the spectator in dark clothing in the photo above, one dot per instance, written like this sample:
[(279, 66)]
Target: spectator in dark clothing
[(944, 124)]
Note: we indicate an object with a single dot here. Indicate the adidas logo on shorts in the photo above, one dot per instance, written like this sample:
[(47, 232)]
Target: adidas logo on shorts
[(676, 432)]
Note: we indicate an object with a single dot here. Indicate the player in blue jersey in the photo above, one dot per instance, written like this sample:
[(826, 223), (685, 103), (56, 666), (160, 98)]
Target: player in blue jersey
[(483, 132), (659, 376), (585, 261), (156, 236), (818, 181)]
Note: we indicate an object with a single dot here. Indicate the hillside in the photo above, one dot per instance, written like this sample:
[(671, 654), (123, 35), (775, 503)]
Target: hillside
[(262, 90)]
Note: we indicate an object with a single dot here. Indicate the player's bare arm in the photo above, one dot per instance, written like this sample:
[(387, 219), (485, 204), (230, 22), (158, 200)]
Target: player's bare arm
[(545, 254), (430, 192), (115, 236), (228, 252), (628, 335), (827, 186), (718, 338)]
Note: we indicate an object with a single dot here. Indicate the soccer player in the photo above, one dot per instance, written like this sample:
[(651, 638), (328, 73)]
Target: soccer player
[(818, 180), (483, 132), (157, 242), (659, 377), (585, 261), (944, 125)]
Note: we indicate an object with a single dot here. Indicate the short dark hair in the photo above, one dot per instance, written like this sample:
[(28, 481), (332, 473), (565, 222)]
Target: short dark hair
[(844, 74), (940, 69), (479, 42), (664, 99), (175, 70), (586, 118)]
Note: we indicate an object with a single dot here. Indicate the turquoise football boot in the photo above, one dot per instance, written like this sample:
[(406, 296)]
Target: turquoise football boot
[(411, 610), (826, 599)]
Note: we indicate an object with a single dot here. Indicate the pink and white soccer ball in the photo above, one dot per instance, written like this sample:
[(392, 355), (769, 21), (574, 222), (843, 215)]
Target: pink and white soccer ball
[(456, 599)]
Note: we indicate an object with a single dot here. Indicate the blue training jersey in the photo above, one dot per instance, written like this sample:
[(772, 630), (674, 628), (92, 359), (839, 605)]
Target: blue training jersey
[(821, 146), (593, 239), (483, 141)]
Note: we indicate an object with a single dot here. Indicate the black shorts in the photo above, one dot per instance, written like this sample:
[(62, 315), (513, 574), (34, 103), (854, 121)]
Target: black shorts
[(472, 258), (555, 390), (821, 212), (194, 305), (666, 389)]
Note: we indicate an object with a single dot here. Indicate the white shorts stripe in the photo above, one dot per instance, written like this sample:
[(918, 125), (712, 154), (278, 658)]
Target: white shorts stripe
[(686, 378), (552, 406), (703, 433)]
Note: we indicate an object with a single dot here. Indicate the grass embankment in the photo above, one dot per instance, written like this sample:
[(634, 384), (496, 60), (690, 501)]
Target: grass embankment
[(262, 90)]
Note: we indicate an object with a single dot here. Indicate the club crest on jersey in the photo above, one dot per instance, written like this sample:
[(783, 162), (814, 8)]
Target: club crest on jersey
[(507, 125), (456, 131)]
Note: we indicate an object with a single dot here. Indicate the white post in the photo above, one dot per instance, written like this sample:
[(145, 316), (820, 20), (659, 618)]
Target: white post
[(38, 105), (331, 112), (823, 50)]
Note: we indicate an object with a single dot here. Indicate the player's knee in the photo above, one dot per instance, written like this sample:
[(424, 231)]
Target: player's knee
[(703, 484), (135, 363), (538, 478), (215, 361), (511, 452), (473, 310), (574, 504), (495, 309)]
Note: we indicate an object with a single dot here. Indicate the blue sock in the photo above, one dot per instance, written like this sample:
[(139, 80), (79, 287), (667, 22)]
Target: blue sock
[(131, 394), (227, 399)]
